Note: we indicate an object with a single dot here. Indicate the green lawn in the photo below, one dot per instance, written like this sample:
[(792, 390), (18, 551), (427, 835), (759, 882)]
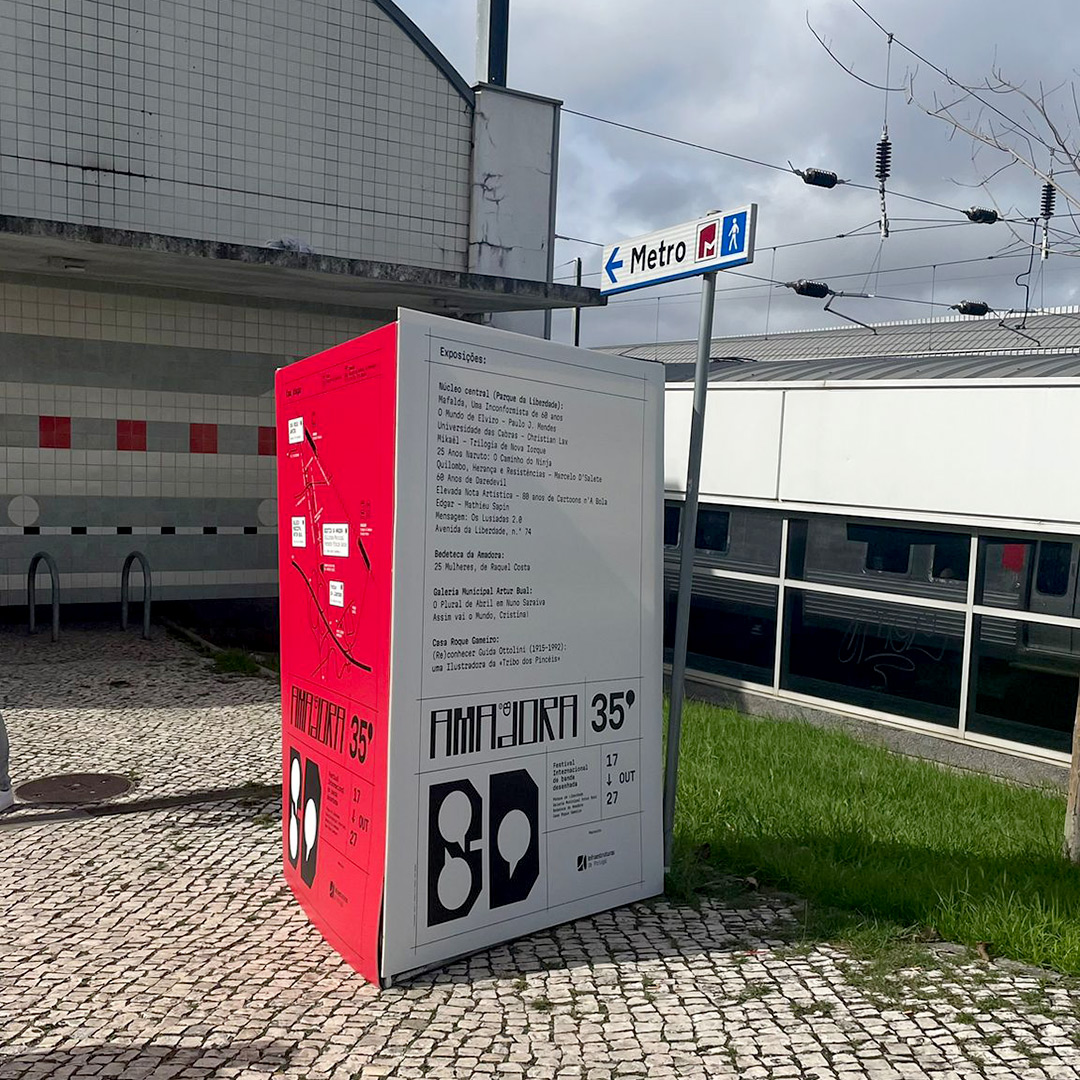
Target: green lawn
[(899, 846)]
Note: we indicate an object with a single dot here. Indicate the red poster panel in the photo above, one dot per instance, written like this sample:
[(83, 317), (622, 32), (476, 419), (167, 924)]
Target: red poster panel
[(335, 451)]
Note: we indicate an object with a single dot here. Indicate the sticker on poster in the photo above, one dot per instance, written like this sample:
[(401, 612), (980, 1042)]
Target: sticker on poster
[(335, 540), (296, 430), (299, 532), (337, 593)]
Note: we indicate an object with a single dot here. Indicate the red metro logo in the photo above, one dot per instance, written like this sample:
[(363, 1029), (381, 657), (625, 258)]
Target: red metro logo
[(706, 241)]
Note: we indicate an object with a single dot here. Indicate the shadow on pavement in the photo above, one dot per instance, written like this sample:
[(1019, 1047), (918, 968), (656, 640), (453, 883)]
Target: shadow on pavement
[(153, 1060), (98, 666)]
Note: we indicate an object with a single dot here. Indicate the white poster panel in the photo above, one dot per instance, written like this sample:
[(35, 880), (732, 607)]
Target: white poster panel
[(525, 772)]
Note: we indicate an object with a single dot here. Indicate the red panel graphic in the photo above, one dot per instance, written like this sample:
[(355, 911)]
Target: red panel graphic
[(335, 449)]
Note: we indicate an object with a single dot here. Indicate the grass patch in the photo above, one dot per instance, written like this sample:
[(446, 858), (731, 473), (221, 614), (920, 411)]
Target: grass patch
[(235, 662), (886, 850)]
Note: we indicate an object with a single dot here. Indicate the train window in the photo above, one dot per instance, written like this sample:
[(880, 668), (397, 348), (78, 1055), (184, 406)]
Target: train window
[(951, 557), (712, 529), (887, 550), (672, 516), (874, 653), (1052, 575)]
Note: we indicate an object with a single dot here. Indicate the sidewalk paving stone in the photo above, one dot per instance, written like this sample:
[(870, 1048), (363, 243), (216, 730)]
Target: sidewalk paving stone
[(165, 943)]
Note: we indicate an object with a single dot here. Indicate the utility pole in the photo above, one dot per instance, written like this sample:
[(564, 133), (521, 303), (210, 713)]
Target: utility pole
[(686, 560), (492, 40), (718, 241), (1072, 807), (577, 310)]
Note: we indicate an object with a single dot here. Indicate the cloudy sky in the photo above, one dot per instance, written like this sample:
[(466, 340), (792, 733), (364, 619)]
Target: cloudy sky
[(748, 77)]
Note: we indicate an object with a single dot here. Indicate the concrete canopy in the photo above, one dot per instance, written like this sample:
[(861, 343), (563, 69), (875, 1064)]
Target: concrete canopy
[(65, 250)]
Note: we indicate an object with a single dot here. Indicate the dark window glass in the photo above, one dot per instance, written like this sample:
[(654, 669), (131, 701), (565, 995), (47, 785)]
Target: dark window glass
[(1027, 574), (1052, 576), (888, 550), (951, 557), (1024, 682), (881, 655), (712, 529), (741, 538), (672, 513), (796, 548), (732, 629), (887, 558)]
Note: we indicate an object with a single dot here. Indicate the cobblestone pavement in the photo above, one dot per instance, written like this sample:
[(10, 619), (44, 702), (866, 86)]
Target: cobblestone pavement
[(156, 711), (164, 943)]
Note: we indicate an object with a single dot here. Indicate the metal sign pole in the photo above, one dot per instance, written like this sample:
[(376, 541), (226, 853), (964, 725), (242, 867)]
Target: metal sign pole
[(686, 561)]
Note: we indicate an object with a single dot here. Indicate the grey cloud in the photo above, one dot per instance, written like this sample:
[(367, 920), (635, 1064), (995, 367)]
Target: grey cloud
[(747, 76)]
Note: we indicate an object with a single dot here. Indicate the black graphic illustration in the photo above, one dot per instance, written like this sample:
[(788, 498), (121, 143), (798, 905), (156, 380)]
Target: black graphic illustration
[(514, 831), (455, 870), (310, 821)]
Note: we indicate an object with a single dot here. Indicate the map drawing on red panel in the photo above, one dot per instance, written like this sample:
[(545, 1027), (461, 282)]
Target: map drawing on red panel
[(331, 559)]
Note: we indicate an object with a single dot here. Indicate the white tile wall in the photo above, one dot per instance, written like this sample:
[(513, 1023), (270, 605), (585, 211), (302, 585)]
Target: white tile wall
[(240, 122), (104, 316)]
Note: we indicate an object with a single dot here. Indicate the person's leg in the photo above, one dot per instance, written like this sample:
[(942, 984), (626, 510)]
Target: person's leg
[(7, 799)]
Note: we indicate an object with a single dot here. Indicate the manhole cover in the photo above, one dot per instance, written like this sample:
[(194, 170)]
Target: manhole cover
[(73, 789)]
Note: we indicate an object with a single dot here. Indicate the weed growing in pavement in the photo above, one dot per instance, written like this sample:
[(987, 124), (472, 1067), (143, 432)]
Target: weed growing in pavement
[(235, 662), (814, 1008), (542, 1004), (753, 991), (885, 849)]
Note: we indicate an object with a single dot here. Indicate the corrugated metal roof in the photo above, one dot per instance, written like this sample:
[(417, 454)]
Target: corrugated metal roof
[(1056, 332), (887, 368)]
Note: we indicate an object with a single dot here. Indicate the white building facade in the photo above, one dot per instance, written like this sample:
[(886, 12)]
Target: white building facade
[(893, 539), (194, 194)]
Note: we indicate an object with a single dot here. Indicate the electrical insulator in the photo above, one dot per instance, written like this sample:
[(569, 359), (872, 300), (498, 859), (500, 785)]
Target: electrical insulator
[(883, 159), (982, 216), (1049, 197), (972, 307), (817, 289), (819, 178)]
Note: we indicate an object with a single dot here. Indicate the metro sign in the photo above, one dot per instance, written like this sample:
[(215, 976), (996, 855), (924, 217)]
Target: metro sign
[(717, 242)]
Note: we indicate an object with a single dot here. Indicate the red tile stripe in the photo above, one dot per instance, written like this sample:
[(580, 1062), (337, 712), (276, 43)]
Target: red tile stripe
[(130, 434), (54, 432), (203, 438)]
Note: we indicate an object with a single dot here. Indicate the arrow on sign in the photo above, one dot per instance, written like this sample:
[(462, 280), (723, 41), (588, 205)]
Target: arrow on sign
[(613, 264)]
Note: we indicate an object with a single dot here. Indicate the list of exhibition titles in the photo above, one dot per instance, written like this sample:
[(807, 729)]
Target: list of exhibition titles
[(533, 503)]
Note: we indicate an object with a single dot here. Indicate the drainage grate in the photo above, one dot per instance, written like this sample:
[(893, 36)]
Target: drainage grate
[(73, 789)]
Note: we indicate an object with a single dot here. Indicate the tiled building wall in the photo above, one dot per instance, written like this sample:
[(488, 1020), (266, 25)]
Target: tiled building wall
[(136, 422), (239, 122)]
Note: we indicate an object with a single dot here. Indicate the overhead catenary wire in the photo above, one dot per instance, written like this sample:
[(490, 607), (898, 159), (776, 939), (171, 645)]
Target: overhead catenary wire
[(946, 76), (766, 282), (788, 168)]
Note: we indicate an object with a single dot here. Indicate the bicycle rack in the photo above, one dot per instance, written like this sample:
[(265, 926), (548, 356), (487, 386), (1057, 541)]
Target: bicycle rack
[(31, 599), (125, 583)]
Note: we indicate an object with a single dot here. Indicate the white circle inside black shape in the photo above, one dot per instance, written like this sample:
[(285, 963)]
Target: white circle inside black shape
[(311, 825), (294, 782)]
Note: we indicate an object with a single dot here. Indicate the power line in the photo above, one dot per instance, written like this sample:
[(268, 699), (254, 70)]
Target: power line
[(831, 277), (680, 142), (748, 160), (851, 234), (578, 240), (947, 77)]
